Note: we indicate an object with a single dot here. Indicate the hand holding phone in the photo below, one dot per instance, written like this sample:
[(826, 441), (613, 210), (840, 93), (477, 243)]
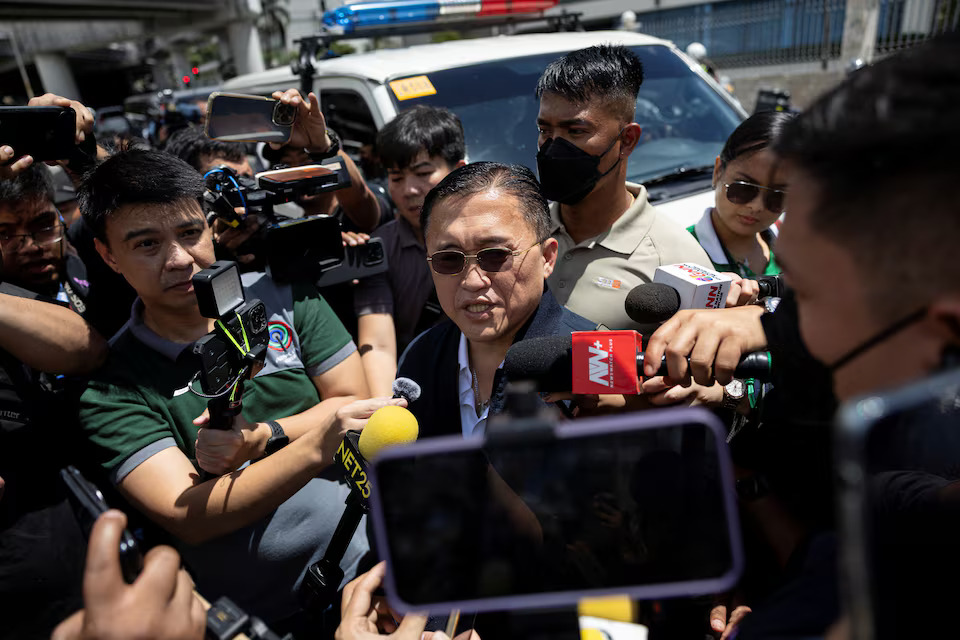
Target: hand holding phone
[(310, 129), (160, 604)]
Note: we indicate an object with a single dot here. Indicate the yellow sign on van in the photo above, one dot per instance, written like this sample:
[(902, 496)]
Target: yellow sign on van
[(415, 87)]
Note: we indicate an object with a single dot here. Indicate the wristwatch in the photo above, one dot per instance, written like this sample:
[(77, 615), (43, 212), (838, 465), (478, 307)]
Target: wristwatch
[(733, 393), (332, 150), (770, 304), (278, 439)]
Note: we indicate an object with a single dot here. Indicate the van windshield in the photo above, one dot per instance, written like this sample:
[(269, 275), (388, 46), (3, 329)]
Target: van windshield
[(685, 121)]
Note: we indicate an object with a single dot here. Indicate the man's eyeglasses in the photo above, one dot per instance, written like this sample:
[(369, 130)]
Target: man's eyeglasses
[(450, 262), (42, 237), (744, 192)]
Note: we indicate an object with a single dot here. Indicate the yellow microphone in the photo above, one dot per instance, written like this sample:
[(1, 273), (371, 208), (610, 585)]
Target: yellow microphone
[(387, 427)]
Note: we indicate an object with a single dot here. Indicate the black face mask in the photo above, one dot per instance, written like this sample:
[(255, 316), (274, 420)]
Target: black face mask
[(568, 173), (881, 336)]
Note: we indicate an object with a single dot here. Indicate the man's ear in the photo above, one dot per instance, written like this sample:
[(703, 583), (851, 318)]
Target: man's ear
[(717, 171), (462, 163), (104, 250), (550, 248), (629, 138)]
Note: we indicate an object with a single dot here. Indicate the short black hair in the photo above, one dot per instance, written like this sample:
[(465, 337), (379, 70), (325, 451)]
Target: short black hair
[(192, 145), (478, 177), (757, 132), (606, 72), (432, 129), (32, 184), (882, 148), (135, 177)]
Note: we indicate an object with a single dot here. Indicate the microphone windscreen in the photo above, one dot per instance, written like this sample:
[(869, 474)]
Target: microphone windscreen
[(406, 388), (388, 426), (547, 361), (651, 303)]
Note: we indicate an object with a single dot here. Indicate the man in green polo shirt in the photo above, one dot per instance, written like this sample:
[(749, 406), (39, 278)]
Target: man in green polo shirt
[(250, 534)]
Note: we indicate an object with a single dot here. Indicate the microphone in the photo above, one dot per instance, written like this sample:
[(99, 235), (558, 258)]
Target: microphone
[(553, 363), (657, 301), (407, 389), (388, 426), (652, 303)]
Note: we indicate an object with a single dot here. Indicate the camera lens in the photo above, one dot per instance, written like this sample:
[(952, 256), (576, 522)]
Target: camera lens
[(284, 114)]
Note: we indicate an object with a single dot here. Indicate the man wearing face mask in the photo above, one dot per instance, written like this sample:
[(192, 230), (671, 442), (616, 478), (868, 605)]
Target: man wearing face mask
[(611, 238)]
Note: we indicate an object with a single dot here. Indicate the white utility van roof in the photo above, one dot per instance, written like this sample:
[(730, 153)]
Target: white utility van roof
[(383, 65)]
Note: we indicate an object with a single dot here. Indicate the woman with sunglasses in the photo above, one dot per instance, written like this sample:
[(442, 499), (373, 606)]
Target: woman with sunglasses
[(738, 233)]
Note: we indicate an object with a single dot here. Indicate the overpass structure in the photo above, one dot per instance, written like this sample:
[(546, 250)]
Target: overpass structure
[(46, 45)]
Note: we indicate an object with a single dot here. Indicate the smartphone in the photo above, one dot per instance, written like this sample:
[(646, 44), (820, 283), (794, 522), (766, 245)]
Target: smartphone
[(241, 118), (359, 262), (88, 505), (45, 133), (306, 180), (637, 504)]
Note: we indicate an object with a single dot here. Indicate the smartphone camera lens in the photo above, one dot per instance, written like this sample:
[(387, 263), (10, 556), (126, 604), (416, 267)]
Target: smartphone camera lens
[(284, 114)]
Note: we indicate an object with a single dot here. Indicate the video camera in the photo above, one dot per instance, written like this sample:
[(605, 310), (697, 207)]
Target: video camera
[(228, 355), (308, 248)]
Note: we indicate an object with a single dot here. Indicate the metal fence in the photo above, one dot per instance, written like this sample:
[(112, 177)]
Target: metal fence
[(743, 33), (904, 23)]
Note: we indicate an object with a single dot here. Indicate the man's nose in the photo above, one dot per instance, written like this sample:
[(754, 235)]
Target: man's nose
[(474, 278), (178, 258)]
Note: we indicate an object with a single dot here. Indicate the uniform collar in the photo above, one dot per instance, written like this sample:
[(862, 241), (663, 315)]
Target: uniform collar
[(627, 231), (707, 236), (708, 239), (143, 333)]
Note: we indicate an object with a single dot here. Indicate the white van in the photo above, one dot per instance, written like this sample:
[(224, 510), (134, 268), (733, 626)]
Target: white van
[(489, 83)]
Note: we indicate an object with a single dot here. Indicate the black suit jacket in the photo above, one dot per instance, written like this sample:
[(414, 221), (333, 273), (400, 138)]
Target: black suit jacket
[(431, 361)]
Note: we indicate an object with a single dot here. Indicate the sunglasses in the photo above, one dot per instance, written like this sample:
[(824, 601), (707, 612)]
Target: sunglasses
[(744, 192), (451, 262)]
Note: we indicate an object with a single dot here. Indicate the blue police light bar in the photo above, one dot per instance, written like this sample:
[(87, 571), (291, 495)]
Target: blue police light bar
[(381, 14)]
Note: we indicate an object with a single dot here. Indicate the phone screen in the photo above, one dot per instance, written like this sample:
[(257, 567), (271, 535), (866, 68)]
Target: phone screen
[(901, 479), (241, 118), (483, 528)]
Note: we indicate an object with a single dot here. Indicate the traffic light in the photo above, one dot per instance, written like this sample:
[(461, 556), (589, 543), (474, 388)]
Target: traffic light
[(186, 80), (195, 70)]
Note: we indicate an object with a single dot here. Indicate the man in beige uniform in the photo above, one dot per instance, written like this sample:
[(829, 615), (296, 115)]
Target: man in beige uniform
[(611, 239)]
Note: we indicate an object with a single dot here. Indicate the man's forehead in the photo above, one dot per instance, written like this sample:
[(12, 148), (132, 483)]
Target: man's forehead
[(422, 158), (556, 107), (25, 210), (485, 217), (156, 214)]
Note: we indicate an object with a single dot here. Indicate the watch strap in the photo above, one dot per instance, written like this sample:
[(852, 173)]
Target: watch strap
[(332, 150), (278, 438)]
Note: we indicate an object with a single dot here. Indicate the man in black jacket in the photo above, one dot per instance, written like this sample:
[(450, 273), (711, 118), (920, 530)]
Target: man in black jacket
[(486, 227)]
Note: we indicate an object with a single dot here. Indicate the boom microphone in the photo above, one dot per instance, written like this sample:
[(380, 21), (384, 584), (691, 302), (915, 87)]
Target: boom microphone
[(552, 363), (388, 426)]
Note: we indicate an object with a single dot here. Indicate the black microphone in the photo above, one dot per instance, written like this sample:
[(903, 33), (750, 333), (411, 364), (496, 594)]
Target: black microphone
[(548, 362), (652, 303)]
